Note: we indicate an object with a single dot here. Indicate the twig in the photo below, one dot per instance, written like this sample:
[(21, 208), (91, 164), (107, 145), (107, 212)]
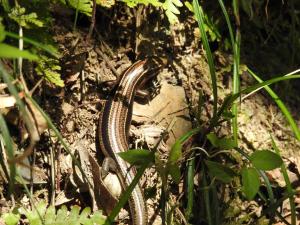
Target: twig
[(109, 50), (106, 60), (36, 86), (52, 174), (93, 21), (138, 28), (20, 60)]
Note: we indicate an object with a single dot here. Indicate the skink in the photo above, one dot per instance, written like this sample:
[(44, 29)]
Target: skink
[(114, 125)]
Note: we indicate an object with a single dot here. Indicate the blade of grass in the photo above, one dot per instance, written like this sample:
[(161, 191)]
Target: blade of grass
[(231, 98), (76, 16), (263, 175), (235, 43), (281, 105), (236, 84), (207, 200), (46, 48), (288, 186), (31, 198), (215, 205), (228, 23), (13, 90), (190, 187), (60, 138), (200, 19), (125, 195), (2, 157), (9, 151), (162, 203)]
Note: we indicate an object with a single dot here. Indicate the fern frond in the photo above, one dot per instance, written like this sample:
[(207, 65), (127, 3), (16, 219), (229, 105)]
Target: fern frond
[(11, 218), (106, 3), (133, 3), (171, 9), (83, 6), (49, 68), (25, 20), (2, 30), (43, 215)]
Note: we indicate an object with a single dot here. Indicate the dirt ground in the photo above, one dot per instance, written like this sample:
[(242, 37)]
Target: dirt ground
[(119, 40)]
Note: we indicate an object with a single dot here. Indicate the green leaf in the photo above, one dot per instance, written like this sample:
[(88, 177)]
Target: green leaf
[(219, 171), (98, 218), (175, 173), (62, 217), (8, 51), (170, 6), (138, 156), (133, 3), (36, 215), (50, 215), (74, 214), (223, 143), (175, 153), (49, 68), (83, 218), (25, 20), (265, 160), (62, 214), (5, 5), (189, 6), (174, 156), (2, 31), (250, 181), (83, 6), (11, 218)]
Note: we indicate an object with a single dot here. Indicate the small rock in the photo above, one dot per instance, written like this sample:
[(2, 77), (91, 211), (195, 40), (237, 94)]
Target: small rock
[(67, 108), (70, 126)]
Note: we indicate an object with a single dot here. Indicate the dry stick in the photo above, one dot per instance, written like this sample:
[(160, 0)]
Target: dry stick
[(52, 174), (33, 134), (137, 28), (93, 21), (58, 177), (36, 86), (106, 60), (20, 65), (20, 60), (107, 48)]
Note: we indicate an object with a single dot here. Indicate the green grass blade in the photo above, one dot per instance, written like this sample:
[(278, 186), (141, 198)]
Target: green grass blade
[(235, 43), (263, 175), (10, 152), (190, 187), (60, 138), (228, 101), (200, 19), (228, 23), (281, 105), (288, 186), (76, 16), (13, 90), (125, 195), (206, 193), (215, 205), (236, 84), (46, 48)]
